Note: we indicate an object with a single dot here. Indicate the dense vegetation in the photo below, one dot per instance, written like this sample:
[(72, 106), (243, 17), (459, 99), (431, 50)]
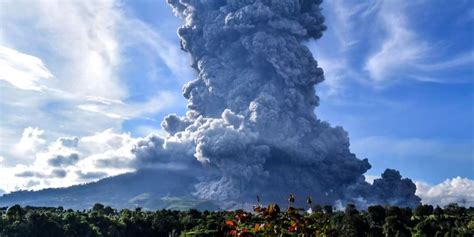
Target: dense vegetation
[(425, 220)]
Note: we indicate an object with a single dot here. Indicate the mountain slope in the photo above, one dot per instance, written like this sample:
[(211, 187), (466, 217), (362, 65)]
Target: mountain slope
[(145, 188)]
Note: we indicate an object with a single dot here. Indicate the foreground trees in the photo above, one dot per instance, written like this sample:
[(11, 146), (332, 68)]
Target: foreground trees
[(102, 220)]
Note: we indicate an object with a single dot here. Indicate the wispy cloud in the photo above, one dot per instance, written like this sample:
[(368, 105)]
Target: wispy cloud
[(21, 70), (406, 53), (459, 60), (160, 48), (377, 43), (126, 111), (401, 49), (80, 39)]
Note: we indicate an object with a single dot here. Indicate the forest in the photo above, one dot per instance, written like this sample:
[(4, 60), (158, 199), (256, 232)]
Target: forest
[(271, 220)]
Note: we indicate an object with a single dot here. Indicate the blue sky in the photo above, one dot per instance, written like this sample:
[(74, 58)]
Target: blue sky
[(399, 79), (405, 90)]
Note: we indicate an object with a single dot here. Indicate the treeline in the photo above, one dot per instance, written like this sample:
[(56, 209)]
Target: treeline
[(425, 220)]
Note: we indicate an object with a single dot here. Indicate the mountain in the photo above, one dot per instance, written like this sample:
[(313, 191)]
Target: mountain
[(145, 188)]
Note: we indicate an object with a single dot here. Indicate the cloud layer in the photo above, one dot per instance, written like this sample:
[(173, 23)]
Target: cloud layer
[(69, 160), (456, 190)]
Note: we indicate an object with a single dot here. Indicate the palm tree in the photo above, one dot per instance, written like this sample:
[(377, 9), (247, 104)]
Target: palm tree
[(291, 201)]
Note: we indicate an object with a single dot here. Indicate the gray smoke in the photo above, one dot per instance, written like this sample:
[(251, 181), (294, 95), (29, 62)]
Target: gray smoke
[(251, 127)]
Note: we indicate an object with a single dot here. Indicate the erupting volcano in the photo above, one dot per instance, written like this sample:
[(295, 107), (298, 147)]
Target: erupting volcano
[(251, 126)]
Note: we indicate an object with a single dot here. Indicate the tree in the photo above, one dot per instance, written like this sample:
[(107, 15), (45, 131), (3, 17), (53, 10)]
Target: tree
[(377, 214), (353, 222), (426, 228), (438, 212), (98, 207), (109, 210), (394, 227), (15, 212), (327, 209), (423, 210)]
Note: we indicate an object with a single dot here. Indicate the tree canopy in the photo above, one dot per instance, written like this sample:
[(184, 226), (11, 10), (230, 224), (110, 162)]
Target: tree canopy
[(100, 220)]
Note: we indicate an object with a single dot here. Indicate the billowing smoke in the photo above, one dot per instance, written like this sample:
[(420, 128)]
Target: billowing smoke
[(251, 127)]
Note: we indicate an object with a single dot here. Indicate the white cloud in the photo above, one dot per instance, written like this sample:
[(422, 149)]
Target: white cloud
[(160, 47), (456, 190), (402, 47), (343, 14), (147, 130), (335, 50), (376, 43), (9, 181), (163, 99), (370, 178), (83, 44), (97, 109), (105, 141), (69, 161), (30, 141), (81, 39), (78, 40), (459, 60), (406, 52), (21, 70)]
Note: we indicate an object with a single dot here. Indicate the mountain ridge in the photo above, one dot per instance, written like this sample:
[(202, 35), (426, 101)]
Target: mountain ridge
[(136, 189)]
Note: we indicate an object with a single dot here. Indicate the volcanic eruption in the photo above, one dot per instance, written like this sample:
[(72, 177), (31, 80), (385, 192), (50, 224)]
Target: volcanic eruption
[(250, 127)]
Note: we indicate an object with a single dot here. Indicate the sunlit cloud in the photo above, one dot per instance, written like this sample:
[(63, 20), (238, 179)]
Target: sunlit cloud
[(30, 141), (456, 190), (21, 70), (70, 160)]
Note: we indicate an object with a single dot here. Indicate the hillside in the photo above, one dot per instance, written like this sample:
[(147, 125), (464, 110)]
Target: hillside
[(142, 188)]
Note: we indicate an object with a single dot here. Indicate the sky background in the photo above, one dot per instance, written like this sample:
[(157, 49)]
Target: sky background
[(399, 79)]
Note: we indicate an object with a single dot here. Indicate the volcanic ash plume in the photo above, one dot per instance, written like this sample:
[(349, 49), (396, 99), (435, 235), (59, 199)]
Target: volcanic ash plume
[(251, 127)]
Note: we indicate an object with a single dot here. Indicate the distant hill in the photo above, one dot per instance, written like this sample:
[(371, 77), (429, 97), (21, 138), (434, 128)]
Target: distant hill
[(144, 188)]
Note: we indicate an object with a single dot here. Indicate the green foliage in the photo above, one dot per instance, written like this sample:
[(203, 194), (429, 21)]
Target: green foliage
[(423, 210), (102, 220)]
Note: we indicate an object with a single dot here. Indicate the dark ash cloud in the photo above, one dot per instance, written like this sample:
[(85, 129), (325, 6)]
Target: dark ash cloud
[(251, 122)]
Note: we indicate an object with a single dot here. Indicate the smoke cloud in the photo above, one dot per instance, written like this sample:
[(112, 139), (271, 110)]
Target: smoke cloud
[(251, 127)]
